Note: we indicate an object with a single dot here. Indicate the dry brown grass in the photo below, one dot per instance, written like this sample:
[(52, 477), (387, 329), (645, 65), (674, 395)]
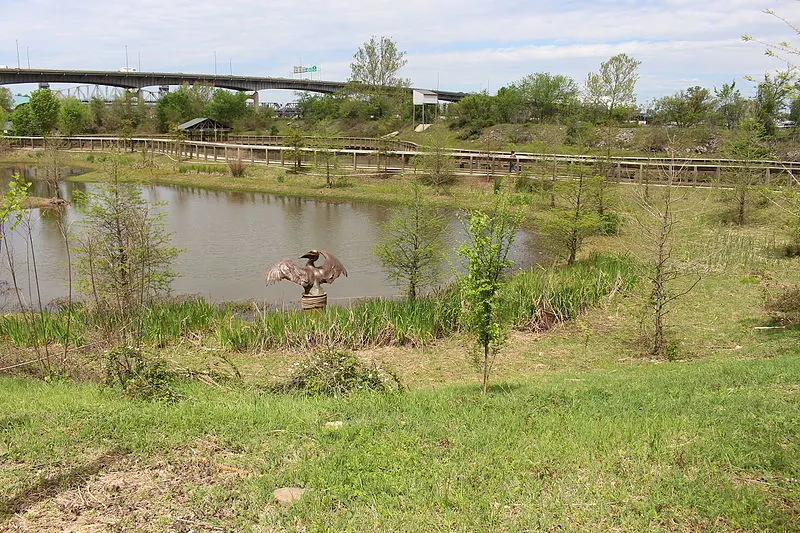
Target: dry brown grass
[(127, 493)]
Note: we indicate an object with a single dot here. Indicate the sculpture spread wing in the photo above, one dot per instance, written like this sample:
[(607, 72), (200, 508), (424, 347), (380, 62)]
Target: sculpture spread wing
[(332, 268), (288, 271)]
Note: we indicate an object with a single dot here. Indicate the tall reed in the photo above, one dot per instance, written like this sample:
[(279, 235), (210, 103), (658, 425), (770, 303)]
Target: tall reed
[(532, 300)]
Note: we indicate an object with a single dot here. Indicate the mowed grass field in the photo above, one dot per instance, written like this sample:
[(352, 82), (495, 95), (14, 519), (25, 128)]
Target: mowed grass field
[(707, 445)]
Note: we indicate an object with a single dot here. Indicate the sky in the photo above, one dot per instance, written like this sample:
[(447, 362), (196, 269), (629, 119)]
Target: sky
[(454, 45)]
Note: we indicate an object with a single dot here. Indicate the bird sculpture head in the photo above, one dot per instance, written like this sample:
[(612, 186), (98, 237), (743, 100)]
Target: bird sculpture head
[(311, 255)]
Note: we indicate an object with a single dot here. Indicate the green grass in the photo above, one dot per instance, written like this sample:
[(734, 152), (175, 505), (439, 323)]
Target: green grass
[(708, 445)]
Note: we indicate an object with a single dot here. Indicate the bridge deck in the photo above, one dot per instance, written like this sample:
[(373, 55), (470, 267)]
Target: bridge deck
[(140, 80)]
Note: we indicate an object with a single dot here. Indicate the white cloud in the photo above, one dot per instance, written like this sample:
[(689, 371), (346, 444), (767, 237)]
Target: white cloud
[(456, 44)]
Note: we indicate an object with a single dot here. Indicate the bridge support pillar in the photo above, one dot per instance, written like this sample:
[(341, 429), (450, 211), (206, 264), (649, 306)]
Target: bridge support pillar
[(256, 100)]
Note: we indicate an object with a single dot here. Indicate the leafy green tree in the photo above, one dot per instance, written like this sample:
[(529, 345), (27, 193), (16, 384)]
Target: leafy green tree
[(486, 255), (226, 106), (184, 104), (685, 108), (794, 110), (509, 105), (475, 111), (256, 118), (23, 120), (612, 90), (74, 117), (125, 114), (730, 105), (377, 62), (6, 100), (98, 113), (547, 95), (770, 100), (411, 245), (12, 204), (613, 87), (43, 108), (320, 107)]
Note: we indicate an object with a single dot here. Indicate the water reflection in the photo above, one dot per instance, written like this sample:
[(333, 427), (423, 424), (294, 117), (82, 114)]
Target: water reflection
[(231, 237)]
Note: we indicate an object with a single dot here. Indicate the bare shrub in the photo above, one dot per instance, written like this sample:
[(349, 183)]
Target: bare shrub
[(782, 303), (338, 373), (237, 167)]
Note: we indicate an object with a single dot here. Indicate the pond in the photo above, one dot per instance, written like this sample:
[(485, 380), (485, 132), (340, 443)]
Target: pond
[(230, 238)]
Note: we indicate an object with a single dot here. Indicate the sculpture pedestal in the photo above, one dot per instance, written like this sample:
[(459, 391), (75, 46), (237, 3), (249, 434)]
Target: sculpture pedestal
[(310, 303)]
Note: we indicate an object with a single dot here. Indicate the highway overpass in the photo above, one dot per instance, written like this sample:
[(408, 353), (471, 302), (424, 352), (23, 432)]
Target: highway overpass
[(140, 80)]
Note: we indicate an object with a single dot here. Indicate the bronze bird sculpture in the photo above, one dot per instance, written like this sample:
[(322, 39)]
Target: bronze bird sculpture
[(309, 276)]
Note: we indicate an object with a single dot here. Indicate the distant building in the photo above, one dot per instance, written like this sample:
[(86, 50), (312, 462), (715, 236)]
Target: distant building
[(204, 129)]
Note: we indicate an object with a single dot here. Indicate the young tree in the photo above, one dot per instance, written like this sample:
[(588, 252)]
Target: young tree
[(746, 144), (411, 245), (657, 222), (436, 161), (124, 257), (297, 142), (377, 62), (327, 143), (571, 224), (486, 251)]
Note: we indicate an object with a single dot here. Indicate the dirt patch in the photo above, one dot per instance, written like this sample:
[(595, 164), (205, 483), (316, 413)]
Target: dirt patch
[(134, 494)]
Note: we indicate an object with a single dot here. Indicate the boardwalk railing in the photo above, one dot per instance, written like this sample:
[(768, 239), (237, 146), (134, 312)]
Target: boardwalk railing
[(363, 153)]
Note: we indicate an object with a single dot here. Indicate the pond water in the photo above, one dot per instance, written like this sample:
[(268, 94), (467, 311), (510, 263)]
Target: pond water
[(230, 238)]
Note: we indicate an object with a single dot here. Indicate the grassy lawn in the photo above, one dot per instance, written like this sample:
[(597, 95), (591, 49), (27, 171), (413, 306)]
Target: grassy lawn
[(702, 445)]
